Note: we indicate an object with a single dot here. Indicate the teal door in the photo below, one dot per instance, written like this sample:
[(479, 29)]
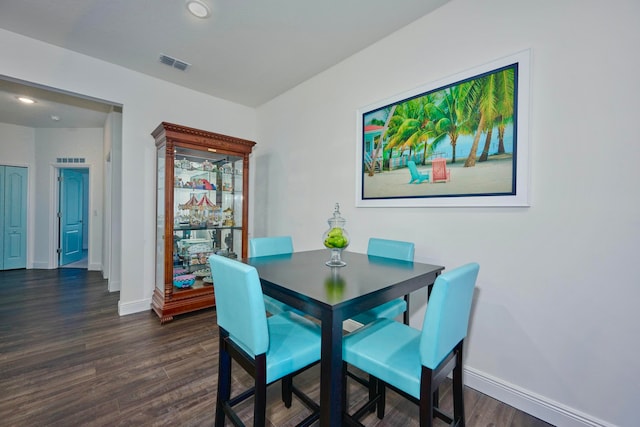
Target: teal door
[(13, 217), (71, 215)]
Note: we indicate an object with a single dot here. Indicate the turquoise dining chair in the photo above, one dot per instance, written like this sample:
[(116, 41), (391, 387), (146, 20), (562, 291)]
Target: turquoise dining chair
[(413, 362), (268, 348), (268, 246), (395, 249)]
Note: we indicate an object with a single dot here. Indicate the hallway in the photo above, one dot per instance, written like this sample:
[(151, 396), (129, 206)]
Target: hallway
[(82, 263)]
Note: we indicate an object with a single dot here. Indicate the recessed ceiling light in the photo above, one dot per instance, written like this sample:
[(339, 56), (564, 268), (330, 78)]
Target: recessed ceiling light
[(198, 8), (25, 100), (55, 118)]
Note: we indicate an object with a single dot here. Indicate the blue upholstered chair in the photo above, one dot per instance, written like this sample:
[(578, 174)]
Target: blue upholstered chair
[(395, 249), (267, 246), (385, 248), (267, 348), (414, 362)]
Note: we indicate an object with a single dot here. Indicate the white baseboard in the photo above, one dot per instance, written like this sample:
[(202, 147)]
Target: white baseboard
[(539, 406), (41, 266), (351, 325), (94, 266), (134, 307), (113, 285)]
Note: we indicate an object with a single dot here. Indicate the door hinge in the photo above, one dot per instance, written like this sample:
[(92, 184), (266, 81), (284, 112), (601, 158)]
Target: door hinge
[(59, 214), (59, 251)]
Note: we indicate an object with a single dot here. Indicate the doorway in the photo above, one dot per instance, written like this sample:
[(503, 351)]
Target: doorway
[(73, 217), (13, 217), (103, 244)]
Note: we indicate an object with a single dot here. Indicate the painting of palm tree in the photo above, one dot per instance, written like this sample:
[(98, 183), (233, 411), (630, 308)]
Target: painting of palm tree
[(470, 124)]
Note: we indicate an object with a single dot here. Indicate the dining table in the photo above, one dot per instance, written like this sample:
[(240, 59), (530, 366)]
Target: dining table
[(333, 294)]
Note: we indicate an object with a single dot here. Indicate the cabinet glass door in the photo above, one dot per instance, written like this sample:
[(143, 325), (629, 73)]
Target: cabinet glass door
[(160, 217), (207, 213)]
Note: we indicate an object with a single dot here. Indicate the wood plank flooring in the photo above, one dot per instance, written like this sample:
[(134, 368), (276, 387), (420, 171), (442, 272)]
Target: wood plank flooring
[(68, 359)]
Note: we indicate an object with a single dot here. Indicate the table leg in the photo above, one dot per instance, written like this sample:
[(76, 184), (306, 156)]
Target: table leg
[(331, 381), (407, 299)]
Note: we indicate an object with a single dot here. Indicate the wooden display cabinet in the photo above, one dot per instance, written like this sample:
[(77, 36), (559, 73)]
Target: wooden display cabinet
[(202, 208)]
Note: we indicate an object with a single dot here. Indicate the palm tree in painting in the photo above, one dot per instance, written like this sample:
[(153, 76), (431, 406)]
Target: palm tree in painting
[(507, 107), (469, 108), (484, 96), (504, 107), (380, 140), (448, 118), (487, 143), (410, 127)]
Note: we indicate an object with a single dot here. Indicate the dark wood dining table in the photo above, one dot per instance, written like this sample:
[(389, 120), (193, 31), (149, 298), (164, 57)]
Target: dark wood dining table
[(333, 294)]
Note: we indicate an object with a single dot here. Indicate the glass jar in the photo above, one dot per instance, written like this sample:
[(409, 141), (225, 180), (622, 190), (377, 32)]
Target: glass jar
[(336, 238)]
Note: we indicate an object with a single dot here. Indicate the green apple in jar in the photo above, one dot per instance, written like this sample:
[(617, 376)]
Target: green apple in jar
[(335, 239)]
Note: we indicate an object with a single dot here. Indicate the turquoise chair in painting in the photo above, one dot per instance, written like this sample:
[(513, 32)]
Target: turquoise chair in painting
[(416, 176), (268, 348), (413, 362), (268, 246)]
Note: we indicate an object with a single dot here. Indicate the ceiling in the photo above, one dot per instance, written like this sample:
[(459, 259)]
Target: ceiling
[(248, 51), (52, 109)]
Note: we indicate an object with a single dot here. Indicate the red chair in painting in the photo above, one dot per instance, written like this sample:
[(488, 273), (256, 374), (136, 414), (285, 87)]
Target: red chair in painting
[(439, 170)]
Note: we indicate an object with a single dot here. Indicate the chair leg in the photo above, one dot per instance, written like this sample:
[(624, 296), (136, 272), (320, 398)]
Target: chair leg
[(287, 390), (260, 403), (376, 398), (426, 398), (458, 389), (224, 381), (382, 398), (345, 407), (373, 390), (405, 315)]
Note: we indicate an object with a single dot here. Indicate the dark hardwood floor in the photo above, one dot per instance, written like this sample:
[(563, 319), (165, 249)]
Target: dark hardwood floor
[(68, 359)]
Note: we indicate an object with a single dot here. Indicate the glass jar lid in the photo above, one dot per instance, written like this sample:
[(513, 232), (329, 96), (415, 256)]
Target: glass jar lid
[(337, 220)]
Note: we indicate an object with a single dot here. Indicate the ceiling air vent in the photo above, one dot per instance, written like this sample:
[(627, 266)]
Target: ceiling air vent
[(173, 62)]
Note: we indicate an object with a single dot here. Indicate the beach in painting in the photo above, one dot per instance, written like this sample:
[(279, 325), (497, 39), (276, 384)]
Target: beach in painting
[(494, 176)]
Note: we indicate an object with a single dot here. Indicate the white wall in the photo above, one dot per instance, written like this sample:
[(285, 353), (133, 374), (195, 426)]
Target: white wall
[(146, 102), (16, 145), (555, 326), (112, 240)]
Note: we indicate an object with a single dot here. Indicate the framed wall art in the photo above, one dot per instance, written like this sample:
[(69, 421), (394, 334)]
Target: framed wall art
[(459, 141)]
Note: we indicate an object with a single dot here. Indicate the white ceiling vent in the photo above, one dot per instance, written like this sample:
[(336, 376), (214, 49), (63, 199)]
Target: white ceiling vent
[(173, 62)]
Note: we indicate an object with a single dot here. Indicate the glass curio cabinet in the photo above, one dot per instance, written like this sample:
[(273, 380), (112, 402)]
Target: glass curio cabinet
[(202, 197)]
